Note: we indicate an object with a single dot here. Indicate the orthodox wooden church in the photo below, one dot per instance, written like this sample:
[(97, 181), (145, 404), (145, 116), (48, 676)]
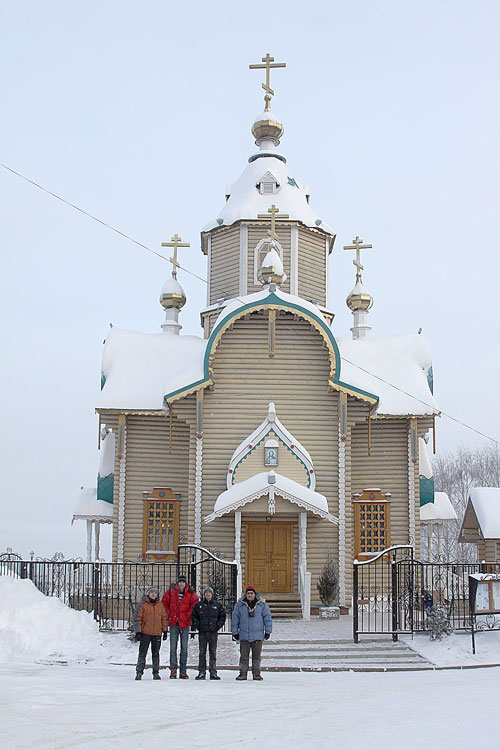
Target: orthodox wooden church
[(272, 437)]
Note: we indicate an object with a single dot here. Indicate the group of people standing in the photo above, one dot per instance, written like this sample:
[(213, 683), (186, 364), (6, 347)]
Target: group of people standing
[(180, 610)]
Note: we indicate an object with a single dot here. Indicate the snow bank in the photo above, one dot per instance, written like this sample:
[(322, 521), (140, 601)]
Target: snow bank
[(456, 649), (34, 627)]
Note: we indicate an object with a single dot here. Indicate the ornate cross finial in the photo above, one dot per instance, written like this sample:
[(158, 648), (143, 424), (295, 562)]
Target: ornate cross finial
[(175, 243), (268, 64), (274, 211), (357, 244)]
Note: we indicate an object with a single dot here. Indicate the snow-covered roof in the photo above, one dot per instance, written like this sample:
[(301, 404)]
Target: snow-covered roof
[(140, 368), (440, 510), (246, 202), (270, 483), (486, 504), (89, 508), (396, 369)]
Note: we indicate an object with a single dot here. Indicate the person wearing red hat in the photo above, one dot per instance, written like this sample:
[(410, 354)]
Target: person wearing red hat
[(251, 624)]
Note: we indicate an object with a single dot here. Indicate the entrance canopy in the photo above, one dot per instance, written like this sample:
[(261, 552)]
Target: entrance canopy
[(270, 483)]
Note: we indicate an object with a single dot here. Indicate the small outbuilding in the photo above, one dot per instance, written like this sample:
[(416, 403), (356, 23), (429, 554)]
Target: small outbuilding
[(481, 524)]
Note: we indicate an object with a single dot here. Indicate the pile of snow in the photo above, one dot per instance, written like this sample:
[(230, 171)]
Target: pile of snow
[(34, 627), (456, 649)]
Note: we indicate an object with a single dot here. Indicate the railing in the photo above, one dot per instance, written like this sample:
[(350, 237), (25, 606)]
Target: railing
[(394, 594), (112, 590)]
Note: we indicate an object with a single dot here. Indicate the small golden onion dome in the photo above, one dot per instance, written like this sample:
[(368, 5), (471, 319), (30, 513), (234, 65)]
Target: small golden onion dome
[(359, 298), (267, 127), (271, 270), (172, 294)]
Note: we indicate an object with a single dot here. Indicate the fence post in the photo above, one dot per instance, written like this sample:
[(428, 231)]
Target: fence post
[(24, 569), (234, 593), (355, 602), (394, 597), (96, 589)]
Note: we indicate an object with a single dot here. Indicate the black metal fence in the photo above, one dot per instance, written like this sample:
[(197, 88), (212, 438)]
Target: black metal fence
[(112, 590), (393, 593)]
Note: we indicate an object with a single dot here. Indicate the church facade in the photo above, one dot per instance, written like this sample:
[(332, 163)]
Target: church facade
[(270, 438)]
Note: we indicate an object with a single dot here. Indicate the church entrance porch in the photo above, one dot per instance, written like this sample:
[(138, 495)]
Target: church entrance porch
[(269, 556)]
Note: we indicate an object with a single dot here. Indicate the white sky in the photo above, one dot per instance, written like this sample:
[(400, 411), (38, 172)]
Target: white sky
[(141, 114)]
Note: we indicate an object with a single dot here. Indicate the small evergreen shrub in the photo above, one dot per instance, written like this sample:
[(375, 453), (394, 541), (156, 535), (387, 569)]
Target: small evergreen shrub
[(328, 582), (439, 624)]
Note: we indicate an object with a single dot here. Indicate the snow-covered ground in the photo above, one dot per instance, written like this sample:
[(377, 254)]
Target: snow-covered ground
[(59, 688)]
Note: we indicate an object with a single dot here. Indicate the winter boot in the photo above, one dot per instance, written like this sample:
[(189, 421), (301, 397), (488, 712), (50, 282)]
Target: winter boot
[(173, 673), (214, 677), (200, 676), (138, 675), (241, 677), (156, 676), (258, 677), (184, 676)]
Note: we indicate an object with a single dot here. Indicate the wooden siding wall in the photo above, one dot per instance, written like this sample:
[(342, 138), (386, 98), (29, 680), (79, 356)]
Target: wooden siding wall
[(148, 465), (296, 380), (225, 264), (386, 467), (288, 465), (312, 265)]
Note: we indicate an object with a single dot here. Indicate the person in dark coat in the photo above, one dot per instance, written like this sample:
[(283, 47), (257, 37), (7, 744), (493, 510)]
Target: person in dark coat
[(179, 601), (208, 618), (251, 624), (151, 624)]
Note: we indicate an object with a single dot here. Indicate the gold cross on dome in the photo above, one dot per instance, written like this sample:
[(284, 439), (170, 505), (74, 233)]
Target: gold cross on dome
[(357, 244), (274, 211), (175, 242), (268, 64)]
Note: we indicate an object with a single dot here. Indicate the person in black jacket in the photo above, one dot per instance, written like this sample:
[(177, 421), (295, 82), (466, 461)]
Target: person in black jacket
[(208, 618)]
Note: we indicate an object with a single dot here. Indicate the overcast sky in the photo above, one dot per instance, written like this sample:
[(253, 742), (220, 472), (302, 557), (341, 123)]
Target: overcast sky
[(140, 113)]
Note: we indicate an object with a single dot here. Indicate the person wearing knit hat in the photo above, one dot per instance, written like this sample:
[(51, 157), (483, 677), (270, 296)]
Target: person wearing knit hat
[(151, 624), (208, 618), (251, 624)]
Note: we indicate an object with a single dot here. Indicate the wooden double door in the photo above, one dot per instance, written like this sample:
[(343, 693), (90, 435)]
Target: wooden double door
[(269, 556)]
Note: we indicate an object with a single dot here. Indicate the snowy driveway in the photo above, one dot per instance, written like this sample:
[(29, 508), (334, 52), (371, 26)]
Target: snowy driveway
[(83, 706)]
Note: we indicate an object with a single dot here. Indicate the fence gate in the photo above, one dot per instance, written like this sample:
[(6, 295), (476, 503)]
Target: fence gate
[(393, 593)]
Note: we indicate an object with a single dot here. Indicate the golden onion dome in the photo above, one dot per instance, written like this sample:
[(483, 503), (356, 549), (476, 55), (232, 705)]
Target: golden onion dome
[(359, 298), (172, 294), (267, 127)]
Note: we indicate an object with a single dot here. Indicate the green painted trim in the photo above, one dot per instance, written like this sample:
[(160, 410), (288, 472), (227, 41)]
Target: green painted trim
[(105, 488), (271, 299), (430, 379), (426, 490), (103, 380)]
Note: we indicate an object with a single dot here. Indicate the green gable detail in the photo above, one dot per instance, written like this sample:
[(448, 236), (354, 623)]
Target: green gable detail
[(271, 299), (103, 380), (105, 488), (426, 490)]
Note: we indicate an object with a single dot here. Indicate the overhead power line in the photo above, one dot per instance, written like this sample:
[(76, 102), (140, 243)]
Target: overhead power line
[(200, 278)]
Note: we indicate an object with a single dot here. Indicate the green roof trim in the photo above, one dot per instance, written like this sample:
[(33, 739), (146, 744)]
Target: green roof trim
[(105, 488), (271, 299), (426, 490)]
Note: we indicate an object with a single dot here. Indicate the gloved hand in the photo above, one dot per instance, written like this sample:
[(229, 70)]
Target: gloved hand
[(138, 636), (165, 634), (236, 637), (267, 636)]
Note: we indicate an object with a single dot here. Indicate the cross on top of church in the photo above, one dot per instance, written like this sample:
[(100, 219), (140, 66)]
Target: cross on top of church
[(268, 64), (357, 244), (274, 211), (175, 242)]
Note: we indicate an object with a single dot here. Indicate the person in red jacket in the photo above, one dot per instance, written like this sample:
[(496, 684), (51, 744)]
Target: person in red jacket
[(179, 601)]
